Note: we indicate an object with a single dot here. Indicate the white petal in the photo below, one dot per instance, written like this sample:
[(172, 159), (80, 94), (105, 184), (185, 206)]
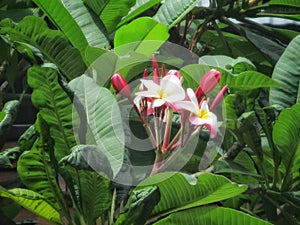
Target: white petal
[(150, 85), (170, 79), (192, 96), (186, 105), (204, 106), (158, 103), (210, 122)]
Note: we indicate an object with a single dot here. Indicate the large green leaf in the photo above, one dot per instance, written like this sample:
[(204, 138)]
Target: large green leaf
[(34, 202), (81, 26), (55, 107), (211, 216), (143, 35), (181, 191), (39, 163), (286, 136), (90, 24), (102, 119), (172, 11), (287, 72), (114, 11), (34, 31), (139, 7)]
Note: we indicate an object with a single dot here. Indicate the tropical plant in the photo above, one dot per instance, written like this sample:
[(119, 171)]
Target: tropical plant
[(79, 136)]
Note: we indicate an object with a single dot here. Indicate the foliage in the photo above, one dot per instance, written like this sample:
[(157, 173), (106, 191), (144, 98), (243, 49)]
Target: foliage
[(80, 135)]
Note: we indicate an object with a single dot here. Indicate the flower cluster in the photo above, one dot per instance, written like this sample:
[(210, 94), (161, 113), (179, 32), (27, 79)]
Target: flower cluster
[(163, 95)]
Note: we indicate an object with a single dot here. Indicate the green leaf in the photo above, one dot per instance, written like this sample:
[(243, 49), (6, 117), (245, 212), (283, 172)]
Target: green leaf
[(114, 11), (143, 35), (18, 14), (103, 119), (248, 80), (59, 15), (172, 11), (92, 27), (139, 206), (287, 73), (34, 31), (286, 136), (55, 107), (39, 163), (181, 191), (211, 216), (139, 7), (34, 202), (95, 194)]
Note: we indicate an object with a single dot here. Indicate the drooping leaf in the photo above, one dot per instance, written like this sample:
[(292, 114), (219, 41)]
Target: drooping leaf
[(88, 157), (40, 162), (181, 191), (286, 136), (143, 35), (114, 11), (56, 48), (103, 120), (139, 206), (287, 73), (55, 107), (139, 7), (34, 202), (211, 215), (8, 115), (173, 11)]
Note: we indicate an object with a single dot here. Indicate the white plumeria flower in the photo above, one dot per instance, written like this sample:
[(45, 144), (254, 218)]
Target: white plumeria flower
[(201, 116), (168, 91)]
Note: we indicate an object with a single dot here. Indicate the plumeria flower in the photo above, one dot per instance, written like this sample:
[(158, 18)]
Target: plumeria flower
[(201, 115), (168, 91)]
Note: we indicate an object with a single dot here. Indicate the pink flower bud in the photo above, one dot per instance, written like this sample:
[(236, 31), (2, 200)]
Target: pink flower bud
[(163, 70), (120, 85), (219, 97), (175, 73), (208, 82)]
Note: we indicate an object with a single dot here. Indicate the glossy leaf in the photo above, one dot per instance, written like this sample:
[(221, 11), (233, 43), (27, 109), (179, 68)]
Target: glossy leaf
[(173, 11), (139, 7), (286, 136), (103, 120), (180, 191), (34, 202), (287, 73), (139, 206), (55, 47), (55, 107), (211, 216), (93, 29), (143, 35)]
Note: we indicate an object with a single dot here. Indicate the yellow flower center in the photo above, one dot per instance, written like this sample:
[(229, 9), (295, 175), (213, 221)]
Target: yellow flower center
[(203, 114)]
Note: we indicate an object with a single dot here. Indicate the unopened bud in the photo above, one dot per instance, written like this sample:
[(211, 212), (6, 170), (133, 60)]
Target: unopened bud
[(219, 97), (120, 85)]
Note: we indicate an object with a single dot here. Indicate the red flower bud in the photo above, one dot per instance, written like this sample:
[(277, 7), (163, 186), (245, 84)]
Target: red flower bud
[(219, 97), (120, 85), (155, 76), (154, 63)]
